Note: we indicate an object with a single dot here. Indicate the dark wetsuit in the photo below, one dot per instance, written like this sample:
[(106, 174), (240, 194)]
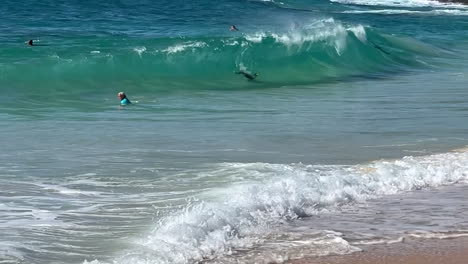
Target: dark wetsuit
[(248, 75)]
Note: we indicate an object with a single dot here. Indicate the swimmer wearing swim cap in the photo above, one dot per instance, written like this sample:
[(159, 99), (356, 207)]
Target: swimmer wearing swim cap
[(123, 99)]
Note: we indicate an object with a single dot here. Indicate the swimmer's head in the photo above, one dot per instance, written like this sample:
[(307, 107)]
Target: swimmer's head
[(121, 95)]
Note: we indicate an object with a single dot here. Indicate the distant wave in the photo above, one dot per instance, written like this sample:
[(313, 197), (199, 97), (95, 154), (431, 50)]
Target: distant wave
[(453, 12), (401, 3)]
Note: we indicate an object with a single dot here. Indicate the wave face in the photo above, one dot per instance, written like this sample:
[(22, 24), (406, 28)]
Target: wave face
[(244, 215), (319, 51)]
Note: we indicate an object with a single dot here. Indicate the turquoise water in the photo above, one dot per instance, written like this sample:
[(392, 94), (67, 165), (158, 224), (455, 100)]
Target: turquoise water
[(356, 103)]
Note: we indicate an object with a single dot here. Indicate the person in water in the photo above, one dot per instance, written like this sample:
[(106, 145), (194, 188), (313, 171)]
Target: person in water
[(233, 28), (380, 48), (123, 99), (248, 75), (30, 42)]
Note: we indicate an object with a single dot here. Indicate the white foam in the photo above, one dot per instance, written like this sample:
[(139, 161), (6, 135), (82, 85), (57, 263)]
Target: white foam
[(360, 32), (230, 42), (66, 191), (30, 217), (439, 235), (289, 246), (380, 241), (454, 12), (93, 262), (417, 235), (401, 3), (139, 50), (250, 211), (184, 46), (256, 38), (327, 30)]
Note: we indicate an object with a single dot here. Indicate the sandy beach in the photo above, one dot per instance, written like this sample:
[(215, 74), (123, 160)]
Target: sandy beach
[(434, 251)]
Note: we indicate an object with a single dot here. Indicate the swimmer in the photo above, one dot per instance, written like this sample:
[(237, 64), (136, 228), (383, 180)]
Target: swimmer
[(123, 99), (233, 28), (32, 42), (248, 75)]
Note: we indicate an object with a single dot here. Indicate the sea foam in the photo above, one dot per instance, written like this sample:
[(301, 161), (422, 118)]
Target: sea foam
[(402, 3), (452, 12), (326, 30), (248, 212)]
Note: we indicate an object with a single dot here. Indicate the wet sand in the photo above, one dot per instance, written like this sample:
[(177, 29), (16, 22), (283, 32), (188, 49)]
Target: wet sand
[(429, 251)]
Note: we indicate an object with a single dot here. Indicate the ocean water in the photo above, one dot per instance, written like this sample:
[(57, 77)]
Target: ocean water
[(353, 133)]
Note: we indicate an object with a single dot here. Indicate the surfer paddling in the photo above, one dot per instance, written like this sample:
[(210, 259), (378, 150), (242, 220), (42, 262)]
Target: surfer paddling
[(123, 99), (247, 75), (30, 42)]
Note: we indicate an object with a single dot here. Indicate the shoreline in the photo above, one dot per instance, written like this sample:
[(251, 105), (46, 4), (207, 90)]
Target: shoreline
[(411, 251)]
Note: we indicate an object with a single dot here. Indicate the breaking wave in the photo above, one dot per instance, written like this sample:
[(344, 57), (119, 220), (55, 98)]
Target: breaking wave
[(318, 51), (247, 215)]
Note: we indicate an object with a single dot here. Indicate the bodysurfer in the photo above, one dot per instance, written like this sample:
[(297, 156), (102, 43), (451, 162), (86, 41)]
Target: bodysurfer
[(233, 28), (247, 75), (380, 48)]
